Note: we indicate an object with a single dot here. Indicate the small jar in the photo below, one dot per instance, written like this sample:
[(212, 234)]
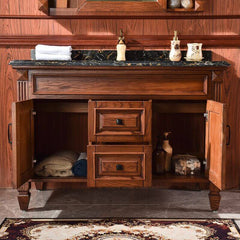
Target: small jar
[(187, 4), (174, 3)]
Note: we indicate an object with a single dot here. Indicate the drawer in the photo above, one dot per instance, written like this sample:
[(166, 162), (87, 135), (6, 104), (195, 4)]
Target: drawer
[(128, 83), (119, 165), (119, 121)]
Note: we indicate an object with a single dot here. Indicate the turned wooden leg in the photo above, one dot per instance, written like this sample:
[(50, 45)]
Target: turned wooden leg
[(214, 197), (40, 185), (24, 196)]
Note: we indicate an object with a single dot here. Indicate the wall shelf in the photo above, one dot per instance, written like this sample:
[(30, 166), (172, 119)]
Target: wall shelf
[(86, 8), (199, 6)]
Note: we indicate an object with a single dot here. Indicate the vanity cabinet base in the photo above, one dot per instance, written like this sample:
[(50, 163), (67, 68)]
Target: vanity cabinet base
[(107, 111)]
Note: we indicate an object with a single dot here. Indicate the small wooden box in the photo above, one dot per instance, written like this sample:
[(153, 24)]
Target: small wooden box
[(61, 3), (187, 165)]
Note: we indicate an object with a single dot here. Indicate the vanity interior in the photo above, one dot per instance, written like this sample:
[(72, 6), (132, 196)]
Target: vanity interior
[(115, 114)]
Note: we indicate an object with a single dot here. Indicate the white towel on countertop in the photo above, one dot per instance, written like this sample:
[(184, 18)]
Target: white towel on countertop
[(55, 50), (40, 56)]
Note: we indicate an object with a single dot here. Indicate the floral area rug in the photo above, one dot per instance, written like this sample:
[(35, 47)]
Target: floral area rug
[(118, 229)]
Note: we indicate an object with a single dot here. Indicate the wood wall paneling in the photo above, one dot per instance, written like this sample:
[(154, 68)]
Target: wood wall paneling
[(217, 28)]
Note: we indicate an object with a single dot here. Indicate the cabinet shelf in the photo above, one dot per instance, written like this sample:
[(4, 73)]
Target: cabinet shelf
[(59, 179), (172, 178)]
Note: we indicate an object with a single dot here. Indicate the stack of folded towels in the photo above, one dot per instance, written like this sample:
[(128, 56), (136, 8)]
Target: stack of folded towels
[(63, 164), (46, 52)]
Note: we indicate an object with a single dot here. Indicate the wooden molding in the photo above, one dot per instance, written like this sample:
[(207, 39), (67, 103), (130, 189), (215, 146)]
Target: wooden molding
[(43, 6), (122, 15), (133, 42), (22, 86), (217, 76)]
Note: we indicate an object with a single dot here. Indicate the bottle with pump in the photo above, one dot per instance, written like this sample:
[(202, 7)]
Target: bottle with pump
[(168, 152), (175, 53), (121, 48)]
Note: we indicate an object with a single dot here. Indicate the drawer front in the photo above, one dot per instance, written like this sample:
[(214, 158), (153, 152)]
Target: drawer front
[(119, 121), (119, 165), (106, 84)]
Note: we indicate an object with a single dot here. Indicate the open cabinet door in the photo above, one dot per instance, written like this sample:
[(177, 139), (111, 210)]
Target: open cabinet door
[(23, 141), (216, 143)]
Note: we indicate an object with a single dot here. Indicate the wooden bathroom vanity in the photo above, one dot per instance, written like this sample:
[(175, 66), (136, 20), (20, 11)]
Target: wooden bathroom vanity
[(115, 113)]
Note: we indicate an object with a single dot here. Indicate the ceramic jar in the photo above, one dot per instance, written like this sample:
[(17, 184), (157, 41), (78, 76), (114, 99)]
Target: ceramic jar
[(187, 4), (174, 3), (194, 52), (175, 53)]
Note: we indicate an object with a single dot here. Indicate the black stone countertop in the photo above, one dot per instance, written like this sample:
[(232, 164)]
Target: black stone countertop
[(134, 58)]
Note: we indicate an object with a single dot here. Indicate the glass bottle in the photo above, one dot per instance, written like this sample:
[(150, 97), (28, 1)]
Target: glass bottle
[(168, 150), (159, 157), (174, 3)]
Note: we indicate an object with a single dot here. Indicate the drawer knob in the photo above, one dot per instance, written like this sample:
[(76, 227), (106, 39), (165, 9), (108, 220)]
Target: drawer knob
[(119, 121), (119, 167)]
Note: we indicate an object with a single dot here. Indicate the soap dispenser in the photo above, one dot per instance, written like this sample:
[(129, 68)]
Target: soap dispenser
[(175, 53), (121, 48)]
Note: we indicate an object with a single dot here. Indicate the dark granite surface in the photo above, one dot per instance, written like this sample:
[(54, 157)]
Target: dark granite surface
[(134, 58)]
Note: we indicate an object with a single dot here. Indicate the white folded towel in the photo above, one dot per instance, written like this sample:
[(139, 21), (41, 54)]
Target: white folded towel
[(55, 50), (40, 56)]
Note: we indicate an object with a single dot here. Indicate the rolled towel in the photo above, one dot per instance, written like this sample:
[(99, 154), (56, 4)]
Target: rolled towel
[(55, 50), (47, 172), (40, 56), (59, 164), (83, 155), (80, 168)]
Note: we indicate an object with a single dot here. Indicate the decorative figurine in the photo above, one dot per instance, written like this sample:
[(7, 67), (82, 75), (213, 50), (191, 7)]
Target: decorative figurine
[(121, 48), (174, 3), (163, 155), (168, 152), (175, 53), (186, 164), (187, 4)]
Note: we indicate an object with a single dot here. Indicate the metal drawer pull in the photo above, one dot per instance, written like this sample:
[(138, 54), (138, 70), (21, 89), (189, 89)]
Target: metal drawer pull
[(119, 122), (119, 167)]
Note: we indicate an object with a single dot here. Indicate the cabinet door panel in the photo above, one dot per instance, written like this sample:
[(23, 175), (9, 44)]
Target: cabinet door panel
[(216, 143), (23, 140)]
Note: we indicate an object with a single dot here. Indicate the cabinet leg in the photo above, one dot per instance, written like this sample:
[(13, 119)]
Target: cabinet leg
[(214, 197), (40, 185), (24, 196)]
